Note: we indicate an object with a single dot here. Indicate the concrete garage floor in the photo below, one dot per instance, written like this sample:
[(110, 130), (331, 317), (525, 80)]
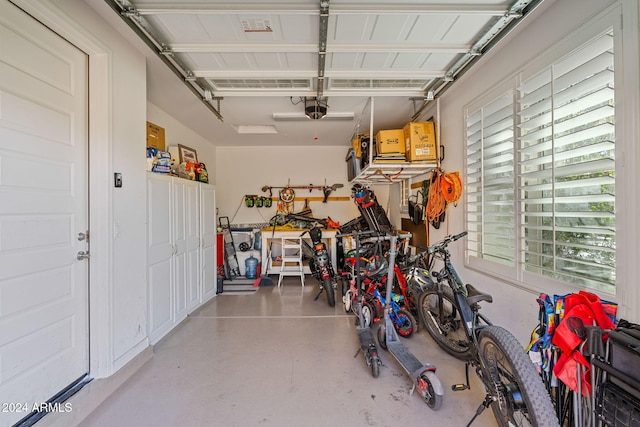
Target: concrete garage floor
[(278, 358)]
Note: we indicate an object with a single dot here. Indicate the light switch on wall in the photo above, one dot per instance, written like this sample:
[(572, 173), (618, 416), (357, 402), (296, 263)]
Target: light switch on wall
[(117, 180)]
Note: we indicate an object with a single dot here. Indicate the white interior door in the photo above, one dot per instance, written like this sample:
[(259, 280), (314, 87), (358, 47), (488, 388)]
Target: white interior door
[(44, 204)]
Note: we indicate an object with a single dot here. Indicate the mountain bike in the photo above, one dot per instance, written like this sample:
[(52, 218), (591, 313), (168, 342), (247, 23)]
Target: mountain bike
[(450, 312)]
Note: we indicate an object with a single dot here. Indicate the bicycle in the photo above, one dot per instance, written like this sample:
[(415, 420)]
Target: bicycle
[(402, 320), (450, 313)]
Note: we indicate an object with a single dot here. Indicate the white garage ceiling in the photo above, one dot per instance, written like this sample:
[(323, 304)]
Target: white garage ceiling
[(254, 62)]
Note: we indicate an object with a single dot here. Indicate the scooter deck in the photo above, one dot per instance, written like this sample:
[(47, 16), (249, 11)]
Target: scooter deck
[(366, 337), (406, 359)]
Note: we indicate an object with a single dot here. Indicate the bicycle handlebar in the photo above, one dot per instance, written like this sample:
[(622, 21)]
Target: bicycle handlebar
[(356, 233), (375, 238), (440, 246)]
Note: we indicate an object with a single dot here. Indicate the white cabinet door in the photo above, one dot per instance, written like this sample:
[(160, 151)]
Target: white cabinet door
[(160, 251), (186, 227), (208, 242), (180, 250)]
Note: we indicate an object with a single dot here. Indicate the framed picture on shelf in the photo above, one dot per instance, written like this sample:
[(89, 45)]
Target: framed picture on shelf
[(187, 154)]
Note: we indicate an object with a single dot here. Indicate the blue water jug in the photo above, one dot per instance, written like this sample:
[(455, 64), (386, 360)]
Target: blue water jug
[(250, 267)]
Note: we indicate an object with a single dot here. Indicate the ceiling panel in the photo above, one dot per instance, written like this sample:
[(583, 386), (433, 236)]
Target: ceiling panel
[(399, 51)]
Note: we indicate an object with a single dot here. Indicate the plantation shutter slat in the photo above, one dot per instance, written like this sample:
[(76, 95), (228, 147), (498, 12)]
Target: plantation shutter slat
[(567, 168), (490, 174)]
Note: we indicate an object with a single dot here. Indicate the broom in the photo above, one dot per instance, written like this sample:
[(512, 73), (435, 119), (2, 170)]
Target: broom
[(264, 279)]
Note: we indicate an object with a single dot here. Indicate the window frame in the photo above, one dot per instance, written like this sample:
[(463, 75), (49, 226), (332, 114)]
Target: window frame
[(609, 19)]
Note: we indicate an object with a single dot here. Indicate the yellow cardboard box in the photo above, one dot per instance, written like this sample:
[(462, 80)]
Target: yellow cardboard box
[(420, 141), (155, 136), (357, 147), (390, 141)]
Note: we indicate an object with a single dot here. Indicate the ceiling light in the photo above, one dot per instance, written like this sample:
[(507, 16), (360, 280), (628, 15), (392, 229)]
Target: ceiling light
[(255, 129)]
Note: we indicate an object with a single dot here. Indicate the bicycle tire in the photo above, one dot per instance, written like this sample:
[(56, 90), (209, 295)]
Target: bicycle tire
[(345, 285), (412, 300), (448, 332), (520, 398), (367, 314), (328, 289), (347, 300), (382, 337), (406, 323)]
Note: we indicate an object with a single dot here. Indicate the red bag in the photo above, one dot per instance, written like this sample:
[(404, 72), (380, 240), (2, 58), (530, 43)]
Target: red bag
[(588, 308)]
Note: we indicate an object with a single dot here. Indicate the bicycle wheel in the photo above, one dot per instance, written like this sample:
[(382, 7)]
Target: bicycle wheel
[(328, 289), (382, 337), (412, 300), (345, 284), (520, 398), (405, 323), (367, 314), (347, 300), (441, 317)]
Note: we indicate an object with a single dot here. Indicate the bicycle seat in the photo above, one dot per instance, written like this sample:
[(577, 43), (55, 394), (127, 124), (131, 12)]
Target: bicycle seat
[(376, 268), (475, 296)]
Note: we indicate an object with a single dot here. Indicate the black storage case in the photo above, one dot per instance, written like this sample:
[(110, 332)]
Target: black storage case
[(618, 397), (625, 351)]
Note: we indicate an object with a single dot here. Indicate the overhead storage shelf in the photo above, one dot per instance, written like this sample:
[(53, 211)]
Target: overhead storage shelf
[(391, 172), (377, 170)]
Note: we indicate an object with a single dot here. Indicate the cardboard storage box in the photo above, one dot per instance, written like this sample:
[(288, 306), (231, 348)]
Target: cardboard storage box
[(390, 141), (155, 136), (356, 141), (420, 141)]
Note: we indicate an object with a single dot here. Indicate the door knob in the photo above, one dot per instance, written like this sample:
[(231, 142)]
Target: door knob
[(83, 255)]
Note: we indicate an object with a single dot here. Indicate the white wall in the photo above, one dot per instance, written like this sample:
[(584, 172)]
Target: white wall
[(513, 306), (117, 134), (245, 170), (177, 133)]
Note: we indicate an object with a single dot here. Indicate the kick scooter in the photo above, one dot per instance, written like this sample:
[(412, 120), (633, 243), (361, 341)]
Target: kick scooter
[(365, 336), (423, 376)]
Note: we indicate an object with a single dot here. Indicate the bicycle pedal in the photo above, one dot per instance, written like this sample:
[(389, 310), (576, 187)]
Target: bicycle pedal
[(460, 387)]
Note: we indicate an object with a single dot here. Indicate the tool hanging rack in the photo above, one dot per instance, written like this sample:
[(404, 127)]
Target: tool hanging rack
[(326, 190)]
